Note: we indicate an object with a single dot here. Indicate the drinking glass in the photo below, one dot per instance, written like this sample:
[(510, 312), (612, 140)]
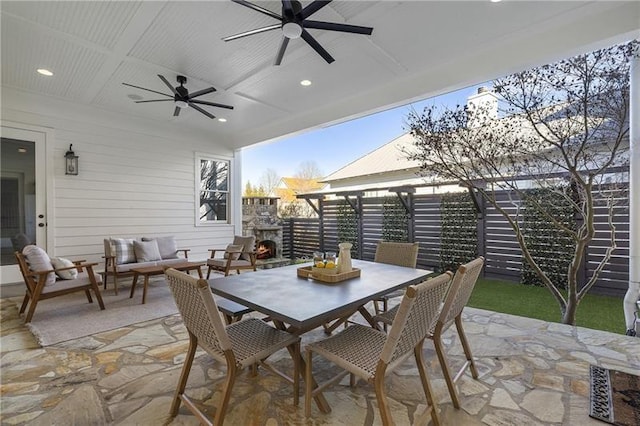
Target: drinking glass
[(318, 257)]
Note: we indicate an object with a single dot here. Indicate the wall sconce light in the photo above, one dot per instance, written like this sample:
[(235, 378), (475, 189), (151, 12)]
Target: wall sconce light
[(71, 161)]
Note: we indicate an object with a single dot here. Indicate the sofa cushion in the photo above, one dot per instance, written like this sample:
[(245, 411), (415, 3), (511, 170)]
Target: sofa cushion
[(123, 250), (127, 267), (39, 261), (248, 244), (80, 280), (233, 251), (61, 262), (221, 263), (146, 251), (167, 246)]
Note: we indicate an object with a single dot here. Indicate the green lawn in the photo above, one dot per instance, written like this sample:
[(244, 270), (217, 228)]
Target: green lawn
[(598, 312)]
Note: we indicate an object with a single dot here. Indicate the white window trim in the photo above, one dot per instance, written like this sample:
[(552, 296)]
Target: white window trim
[(198, 157)]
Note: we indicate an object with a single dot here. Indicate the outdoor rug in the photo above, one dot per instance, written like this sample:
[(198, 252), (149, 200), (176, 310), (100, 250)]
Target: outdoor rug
[(615, 396), (71, 316)]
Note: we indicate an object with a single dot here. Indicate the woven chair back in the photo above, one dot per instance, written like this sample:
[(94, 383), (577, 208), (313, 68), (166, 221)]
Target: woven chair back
[(198, 309), (461, 288), (401, 254), (416, 316)]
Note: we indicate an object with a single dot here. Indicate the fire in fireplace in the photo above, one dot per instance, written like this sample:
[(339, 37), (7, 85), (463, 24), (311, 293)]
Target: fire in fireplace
[(266, 249)]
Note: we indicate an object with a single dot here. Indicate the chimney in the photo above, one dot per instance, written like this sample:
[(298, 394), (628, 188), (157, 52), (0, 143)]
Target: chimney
[(485, 102)]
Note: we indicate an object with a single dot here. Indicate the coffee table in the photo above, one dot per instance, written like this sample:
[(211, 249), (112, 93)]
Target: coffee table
[(148, 271)]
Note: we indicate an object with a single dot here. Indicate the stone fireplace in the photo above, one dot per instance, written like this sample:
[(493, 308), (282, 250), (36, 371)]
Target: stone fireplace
[(260, 219)]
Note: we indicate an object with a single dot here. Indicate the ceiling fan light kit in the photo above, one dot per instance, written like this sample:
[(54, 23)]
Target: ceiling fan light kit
[(294, 24)]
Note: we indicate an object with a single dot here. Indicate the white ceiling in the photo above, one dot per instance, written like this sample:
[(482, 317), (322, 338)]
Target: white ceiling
[(417, 49)]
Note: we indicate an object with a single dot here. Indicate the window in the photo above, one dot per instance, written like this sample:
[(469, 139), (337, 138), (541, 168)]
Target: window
[(213, 190)]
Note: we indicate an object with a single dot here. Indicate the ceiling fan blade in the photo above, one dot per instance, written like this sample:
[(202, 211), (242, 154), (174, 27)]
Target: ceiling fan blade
[(201, 92), (281, 50), (148, 90), (176, 112), (154, 100), (316, 46), (168, 84), (333, 26), (312, 8), (252, 32), (287, 6), (212, 104), (197, 108), (258, 8)]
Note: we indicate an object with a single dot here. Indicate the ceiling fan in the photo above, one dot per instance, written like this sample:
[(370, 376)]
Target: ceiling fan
[(294, 24), (182, 98)]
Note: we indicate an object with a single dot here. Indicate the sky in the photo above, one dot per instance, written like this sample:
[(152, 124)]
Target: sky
[(334, 147)]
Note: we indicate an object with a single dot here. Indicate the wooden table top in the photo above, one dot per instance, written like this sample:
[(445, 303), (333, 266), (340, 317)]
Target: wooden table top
[(305, 303)]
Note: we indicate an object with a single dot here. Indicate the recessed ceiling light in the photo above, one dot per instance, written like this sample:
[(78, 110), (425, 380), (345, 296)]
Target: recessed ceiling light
[(44, 71), (22, 150), (495, 1), (305, 82), (222, 120)]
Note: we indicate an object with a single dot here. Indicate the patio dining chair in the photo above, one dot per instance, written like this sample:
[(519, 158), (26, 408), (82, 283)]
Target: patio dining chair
[(451, 312), (370, 354), (394, 253), (238, 345)]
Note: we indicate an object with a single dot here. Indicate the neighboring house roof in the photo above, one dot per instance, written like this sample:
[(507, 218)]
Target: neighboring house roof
[(300, 184), (289, 187), (388, 158)]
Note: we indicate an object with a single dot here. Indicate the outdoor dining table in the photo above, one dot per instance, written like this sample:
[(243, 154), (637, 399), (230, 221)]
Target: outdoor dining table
[(299, 305)]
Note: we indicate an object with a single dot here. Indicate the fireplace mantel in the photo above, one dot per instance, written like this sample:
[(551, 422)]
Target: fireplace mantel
[(267, 228)]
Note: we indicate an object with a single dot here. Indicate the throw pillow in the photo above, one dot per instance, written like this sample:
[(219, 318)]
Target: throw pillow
[(39, 261), (60, 262), (233, 250), (167, 246), (124, 252), (248, 244), (146, 251)]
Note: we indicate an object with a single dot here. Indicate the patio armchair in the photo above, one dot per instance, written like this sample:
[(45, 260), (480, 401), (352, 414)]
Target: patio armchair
[(370, 354), (43, 280), (238, 345), (239, 255), (451, 312)]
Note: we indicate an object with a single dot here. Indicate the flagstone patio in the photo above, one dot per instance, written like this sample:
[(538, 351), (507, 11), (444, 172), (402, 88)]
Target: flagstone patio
[(531, 373)]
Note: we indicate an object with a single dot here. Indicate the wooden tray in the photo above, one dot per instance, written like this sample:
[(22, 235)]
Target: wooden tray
[(306, 272)]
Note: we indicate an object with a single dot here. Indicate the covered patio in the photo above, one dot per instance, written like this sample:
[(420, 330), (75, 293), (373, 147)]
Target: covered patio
[(139, 175), (531, 373)]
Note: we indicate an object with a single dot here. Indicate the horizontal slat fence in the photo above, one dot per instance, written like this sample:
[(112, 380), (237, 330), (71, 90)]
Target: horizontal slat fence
[(503, 256)]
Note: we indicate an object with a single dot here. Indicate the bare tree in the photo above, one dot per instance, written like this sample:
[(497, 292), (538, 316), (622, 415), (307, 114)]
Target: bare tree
[(309, 170), (565, 128), (269, 180)]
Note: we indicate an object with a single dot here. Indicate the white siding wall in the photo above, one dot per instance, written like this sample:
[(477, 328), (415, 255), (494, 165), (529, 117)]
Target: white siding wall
[(134, 180)]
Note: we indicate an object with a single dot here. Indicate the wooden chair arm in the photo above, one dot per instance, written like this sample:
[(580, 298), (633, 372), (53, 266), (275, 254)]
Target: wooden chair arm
[(185, 251), (213, 252)]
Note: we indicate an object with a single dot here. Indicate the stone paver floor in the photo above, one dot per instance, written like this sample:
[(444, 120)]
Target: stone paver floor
[(531, 373)]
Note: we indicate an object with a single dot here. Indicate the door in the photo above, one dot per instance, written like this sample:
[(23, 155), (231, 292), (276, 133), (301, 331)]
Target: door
[(22, 196)]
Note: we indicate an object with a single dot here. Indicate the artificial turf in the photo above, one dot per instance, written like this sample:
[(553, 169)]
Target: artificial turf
[(594, 311)]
